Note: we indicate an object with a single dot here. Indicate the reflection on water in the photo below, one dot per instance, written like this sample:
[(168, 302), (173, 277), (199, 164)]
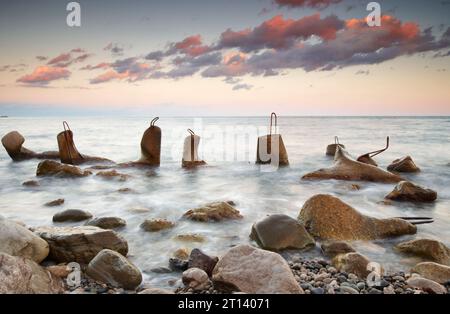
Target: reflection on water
[(171, 190)]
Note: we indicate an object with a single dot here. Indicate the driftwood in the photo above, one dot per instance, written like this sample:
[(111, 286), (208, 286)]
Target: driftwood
[(13, 142), (345, 168)]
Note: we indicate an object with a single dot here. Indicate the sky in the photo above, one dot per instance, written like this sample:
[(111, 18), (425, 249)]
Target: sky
[(224, 57)]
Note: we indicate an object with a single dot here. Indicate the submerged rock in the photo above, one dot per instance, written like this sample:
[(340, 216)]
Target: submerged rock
[(345, 168), (251, 270), (213, 212), (353, 263), (80, 244), (328, 218), (196, 279), (182, 254), (54, 168), (279, 232), (17, 240), (176, 264), (432, 250), (192, 237), (107, 222), (200, 260), (433, 271), (31, 183), (74, 215), (55, 203), (426, 285), (112, 268), (405, 164), (113, 174), (333, 248), (155, 291), (407, 191), (154, 225), (23, 276)]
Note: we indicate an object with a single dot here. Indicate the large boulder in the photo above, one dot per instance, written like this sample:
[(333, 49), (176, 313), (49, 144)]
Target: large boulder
[(345, 168), (72, 215), (198, 259), (279, 232), (23, 276), (80, 244), (17, 240), (328, 218), (426, 285), (431, 250), (433, 271), (107, 222), (251, 270), (112, 268), (405, 164), (354, 263), (54, 168), (213, 212), (410, 192)]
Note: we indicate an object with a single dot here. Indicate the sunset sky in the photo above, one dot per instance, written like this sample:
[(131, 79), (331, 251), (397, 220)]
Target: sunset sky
[(230, 57)]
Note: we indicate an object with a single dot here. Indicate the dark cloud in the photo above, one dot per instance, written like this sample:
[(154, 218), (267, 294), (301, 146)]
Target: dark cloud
[(65, 60), (318, 4), (129, 69), (116, 49), (242, 86)]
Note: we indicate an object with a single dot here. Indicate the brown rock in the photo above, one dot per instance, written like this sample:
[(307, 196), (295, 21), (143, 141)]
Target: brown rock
[(433, 271), (354, 263), (405, 164), (60, 271), (53, 168), (113, 174), (155, 291), (407, 191), (426, 285), (333, 248), (182, 254), (331, 149), (200, 260), (432, 250), (154, 225), (55, 203), (107, 222), (31, 183), (213, 212), (13, 142), (74, 215), (328, 218), (196, 279), (193, 237)]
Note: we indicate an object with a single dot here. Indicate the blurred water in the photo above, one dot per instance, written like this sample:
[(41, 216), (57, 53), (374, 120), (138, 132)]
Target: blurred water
[(172, 191)]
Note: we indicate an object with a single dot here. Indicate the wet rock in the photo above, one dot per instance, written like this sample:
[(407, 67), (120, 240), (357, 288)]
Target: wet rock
[(154, 225), (155, 291), (405, 164), (433, 271), (13, 142), (31, 183), (60, 271), (55, 203), (114, 269), (328, 218), (23, 276), (80, 244), (193, 237), (333, 248), (426, 285), (348, 290), (54, 168), (176, 264), (107, 222), (196, 279), (331, 149), (74, 215), (126, 191), (279, 232), (345, 168), (426, 248), (407, 191), (251, 270), (17, 240), (160, 270), (354, 263), (182, 253), (213, 212), (112, 174), (200, 260)]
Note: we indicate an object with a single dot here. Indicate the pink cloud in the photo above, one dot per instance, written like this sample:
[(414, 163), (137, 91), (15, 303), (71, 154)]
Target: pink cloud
[(43, 75)]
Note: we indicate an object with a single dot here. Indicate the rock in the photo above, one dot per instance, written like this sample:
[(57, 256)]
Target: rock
[(126, 191), (432, 250), (348, 290), (80, 244), (55, 203), (23, 276), (182, 254), (345, 168), (331, 149), (114, 269), (107, 222), (213, 212), (154, 225), (352, 263), (112, 174), (407, 191), (200, 260), (433, 271), (13, 142), (73, 215), (16, 240), (31, 183), (405, 164), (389, 290), (426, 285), (60, 271), (279, 232), (333, 248), (251, 270), (328, 218), (196, 279), (176, 264), (155, 291), (53, 168), (193, 237)]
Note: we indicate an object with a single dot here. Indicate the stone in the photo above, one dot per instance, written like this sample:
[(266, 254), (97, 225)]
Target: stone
[(54, 168), (176, 264), (107, 222), (410, 192), (112, 174), (73, 215), (280, 232), (31, 183), (345, 168), (405, 164), (55, 203), (348, 290), (333, 248), (331, 149), (17, 240), (196, 279), (23, 276), (328, 218), (352, 263), (193, 237), (389, 290), (60, 271), (182, 254), (426, 285), (251, 270), (433, 271), (154, 225), (200, 260), (213, 212), (80, 244), (13, 141), (431, 250), (155, 291), (114, 269)]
